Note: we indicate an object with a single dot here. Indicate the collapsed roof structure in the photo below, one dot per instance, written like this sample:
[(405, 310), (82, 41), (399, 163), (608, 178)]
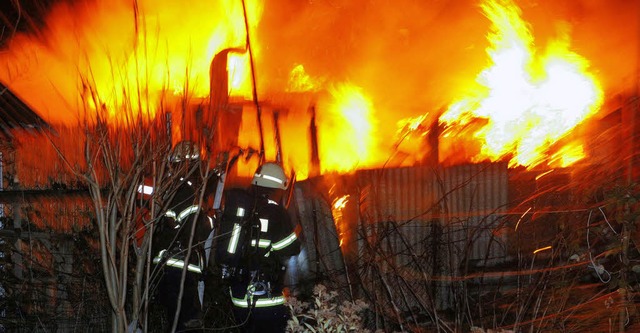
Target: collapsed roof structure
[(16, 114)]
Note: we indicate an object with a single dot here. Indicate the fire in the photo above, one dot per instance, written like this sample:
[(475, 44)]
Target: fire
[(300, 81), (341, 202), (240, 83), (361, 81), (525, 103), (347, 131), (337, 207), (568, 155), (411, 136), (133, 58)]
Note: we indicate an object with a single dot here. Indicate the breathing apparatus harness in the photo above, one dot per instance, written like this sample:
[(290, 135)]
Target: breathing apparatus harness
[(251, 266)]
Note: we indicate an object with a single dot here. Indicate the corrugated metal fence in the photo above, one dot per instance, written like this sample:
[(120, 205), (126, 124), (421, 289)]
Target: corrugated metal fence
[(406, 233)]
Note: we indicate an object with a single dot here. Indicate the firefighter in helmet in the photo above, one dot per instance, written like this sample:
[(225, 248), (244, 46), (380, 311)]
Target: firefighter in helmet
[(180, 246), (259, 239)]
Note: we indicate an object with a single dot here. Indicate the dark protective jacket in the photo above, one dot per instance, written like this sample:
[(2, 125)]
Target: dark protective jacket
[(170, 248), (257, 237), (173, 231)]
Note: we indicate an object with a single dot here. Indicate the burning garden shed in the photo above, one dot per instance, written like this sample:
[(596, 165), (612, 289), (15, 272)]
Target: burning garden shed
[(455, 163)]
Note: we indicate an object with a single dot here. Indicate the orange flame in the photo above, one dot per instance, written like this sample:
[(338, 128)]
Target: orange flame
[(526, 103), (347, 131), (336, 210), (300, 81), (568, 155), (133, 58), (240, 83)]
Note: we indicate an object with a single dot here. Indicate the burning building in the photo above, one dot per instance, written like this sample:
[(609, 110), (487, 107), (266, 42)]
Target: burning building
[(438, 129)]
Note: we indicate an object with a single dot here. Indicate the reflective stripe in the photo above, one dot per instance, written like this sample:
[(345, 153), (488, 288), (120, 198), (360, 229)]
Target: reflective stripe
[(240, 212), (145, 189), (160, 255), (264, 225), (235, 235), (188, 211), (261, 243), (183, 214), (259, 303), (172, 214), (285, 242), (176, 263), (271, 178), (180, 264), (272, 202)]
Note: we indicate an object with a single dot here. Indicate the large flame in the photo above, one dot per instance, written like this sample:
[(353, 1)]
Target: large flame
[(135, 56), (525, 103), (347, 136), (377, 87)]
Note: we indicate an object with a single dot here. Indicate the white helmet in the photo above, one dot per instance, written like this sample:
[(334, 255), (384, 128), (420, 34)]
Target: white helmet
[(185, 151), (270, 175)]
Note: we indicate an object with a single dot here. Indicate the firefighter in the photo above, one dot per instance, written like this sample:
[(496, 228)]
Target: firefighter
[(257, 240), (173, 235)]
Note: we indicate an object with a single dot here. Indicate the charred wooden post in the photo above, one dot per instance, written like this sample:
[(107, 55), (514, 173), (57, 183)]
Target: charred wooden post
[(223, 118), (276, 128), (432, 159), (314, 169)]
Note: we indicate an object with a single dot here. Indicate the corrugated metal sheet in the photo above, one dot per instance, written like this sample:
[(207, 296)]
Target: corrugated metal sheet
[(322, 257), (474, 196), (413, 227)]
